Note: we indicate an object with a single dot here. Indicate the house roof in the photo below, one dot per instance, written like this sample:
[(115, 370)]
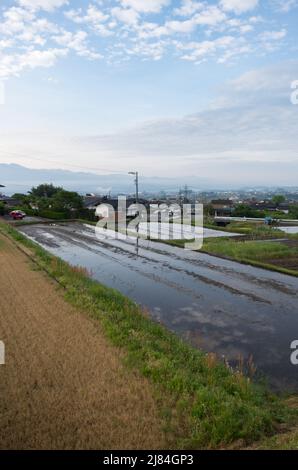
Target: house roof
[(10, 201), (222, 202), (269, 205), (93, 201)]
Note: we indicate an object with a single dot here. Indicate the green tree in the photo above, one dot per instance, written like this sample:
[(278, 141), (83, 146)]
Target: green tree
[(293, 211), (66, 201), (278, 199), (45, 190), (19, 196), (208, 210), (2, 208), (42, 202), (23, 198), (243, 210)]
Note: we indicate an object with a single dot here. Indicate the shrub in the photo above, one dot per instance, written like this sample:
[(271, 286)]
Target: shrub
[(48, 214), (2, 208)]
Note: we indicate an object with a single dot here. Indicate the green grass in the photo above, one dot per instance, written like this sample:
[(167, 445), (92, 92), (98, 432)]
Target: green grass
[(207, 406), (248, 250), (254, 249), (255, 230), (243, 228), (258, 253)]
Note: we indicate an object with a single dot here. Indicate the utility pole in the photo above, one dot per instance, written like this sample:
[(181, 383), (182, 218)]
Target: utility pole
[(186, 193), (136, 174)]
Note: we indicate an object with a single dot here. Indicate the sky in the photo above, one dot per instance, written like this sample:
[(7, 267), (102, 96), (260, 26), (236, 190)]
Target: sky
[(166, 87)]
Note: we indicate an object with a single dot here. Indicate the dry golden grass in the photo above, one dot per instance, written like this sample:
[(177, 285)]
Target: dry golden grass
[(64, 386)]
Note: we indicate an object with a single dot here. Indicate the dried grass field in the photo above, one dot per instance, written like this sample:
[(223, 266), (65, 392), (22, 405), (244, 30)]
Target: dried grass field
[(64, 386)]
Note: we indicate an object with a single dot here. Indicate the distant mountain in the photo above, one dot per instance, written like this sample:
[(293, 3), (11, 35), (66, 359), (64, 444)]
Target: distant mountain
[(17, 178)]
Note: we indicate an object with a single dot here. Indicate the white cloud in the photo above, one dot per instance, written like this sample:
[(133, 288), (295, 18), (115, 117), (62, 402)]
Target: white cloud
[(25, 27), (151, 30), (123, 28), (154, 51), (246, 28), (93, 15), (13, 64), (273, 35), (272, 40), (37, 58), (14, 20), (209, 16), (239, 6), (78, 42), (285, 6), (126, 15), (6, 43), (94, 18), (145, 6), (47, 5), (188, 8), (224, 46), (180, 26)]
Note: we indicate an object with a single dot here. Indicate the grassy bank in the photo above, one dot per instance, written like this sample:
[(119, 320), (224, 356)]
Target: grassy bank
[(270, 255), (243, 228), (257, 251), (204, 404), (253, 230)]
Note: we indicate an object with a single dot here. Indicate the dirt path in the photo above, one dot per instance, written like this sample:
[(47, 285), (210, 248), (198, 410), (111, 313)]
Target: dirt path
[(63, 385)]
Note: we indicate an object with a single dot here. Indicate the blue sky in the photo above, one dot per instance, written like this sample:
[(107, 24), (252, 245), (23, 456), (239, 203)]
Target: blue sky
[(177, 87)]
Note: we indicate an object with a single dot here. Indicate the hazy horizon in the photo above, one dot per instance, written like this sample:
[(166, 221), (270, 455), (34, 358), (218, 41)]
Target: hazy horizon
[(18, 178)]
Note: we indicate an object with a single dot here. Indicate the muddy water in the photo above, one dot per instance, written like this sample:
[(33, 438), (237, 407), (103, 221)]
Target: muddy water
[(215, 304)]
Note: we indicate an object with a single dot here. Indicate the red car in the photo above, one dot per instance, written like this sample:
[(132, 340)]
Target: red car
[(17, 215)]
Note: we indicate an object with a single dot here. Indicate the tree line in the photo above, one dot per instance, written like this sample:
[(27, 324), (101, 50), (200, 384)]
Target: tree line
[(53, 202)]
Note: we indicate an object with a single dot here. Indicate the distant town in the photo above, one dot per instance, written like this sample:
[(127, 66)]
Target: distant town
[(278, 203)]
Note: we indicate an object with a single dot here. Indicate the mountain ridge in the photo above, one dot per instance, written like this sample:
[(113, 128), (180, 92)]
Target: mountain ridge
[(18, 178)]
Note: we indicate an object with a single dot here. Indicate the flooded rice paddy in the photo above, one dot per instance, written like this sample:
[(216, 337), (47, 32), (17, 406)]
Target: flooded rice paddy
[(215, 304)]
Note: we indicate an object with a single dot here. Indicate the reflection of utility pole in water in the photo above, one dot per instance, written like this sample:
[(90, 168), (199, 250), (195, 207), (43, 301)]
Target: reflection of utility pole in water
[(137, 243), (136, 174)]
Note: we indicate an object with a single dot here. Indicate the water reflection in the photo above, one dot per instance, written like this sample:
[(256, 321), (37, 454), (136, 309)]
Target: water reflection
[(215, 304)]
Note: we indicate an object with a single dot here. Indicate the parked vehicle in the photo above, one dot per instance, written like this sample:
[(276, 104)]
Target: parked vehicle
[(17, 215)]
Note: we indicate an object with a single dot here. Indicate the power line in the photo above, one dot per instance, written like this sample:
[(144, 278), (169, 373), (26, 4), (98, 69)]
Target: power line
[(71, 166)]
